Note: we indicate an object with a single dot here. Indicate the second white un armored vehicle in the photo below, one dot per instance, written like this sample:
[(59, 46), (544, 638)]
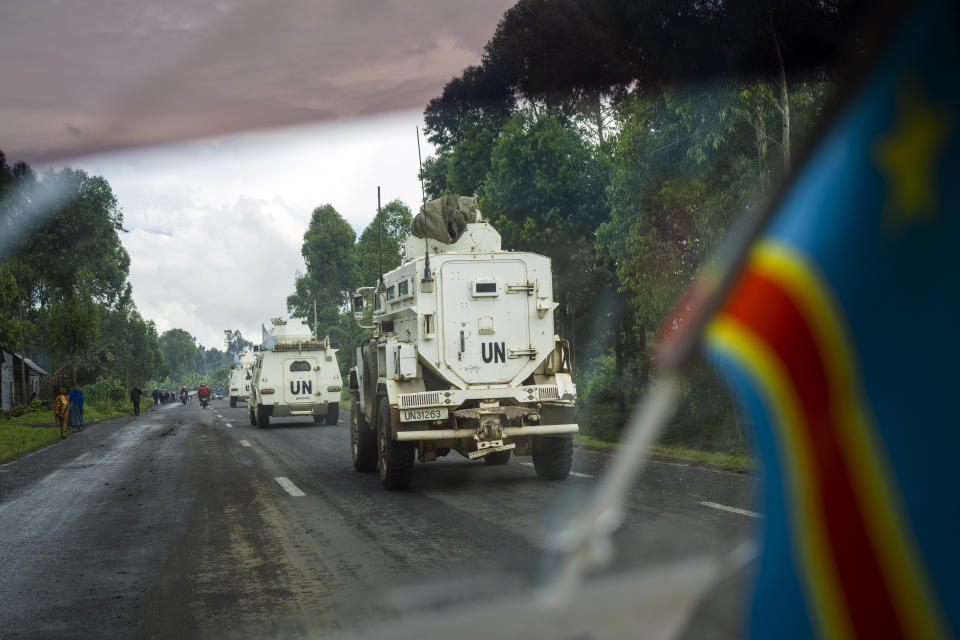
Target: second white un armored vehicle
[(240, 379), (463, 358), (294, 375)]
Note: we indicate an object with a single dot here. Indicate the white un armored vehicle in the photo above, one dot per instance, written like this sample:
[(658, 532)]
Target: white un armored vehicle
[(462, 359), (240, 379), (294, 375)]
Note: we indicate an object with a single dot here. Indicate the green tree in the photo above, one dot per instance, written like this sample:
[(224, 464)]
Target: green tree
[(396, 217), (545, 193), (235, 342), (179, 351), (328, 253)]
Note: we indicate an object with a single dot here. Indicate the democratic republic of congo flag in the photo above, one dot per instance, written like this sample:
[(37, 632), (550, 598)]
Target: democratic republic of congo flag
[(840, 341)]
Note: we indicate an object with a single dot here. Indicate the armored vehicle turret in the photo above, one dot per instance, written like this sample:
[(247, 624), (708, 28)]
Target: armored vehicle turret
[(463, 357), (294, 375)]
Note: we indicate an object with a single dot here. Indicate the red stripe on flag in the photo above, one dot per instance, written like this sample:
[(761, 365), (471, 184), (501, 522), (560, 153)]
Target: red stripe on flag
[(769, 311)]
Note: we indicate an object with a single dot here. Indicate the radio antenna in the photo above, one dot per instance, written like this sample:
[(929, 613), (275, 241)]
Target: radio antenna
[(427, 276), (381, 285)]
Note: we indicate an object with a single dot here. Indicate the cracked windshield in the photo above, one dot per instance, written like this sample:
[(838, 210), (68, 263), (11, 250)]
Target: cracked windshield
[(573, 319)]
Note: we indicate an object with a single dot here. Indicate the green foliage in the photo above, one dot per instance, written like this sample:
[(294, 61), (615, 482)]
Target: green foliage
[(179, 352), (587, 142), (544, 193), (63, 285), (469, 162), (331, 267), (235, 342), (434, 175), (396, 218)]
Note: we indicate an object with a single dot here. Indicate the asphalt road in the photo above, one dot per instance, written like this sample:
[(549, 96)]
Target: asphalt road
[(192, 523)]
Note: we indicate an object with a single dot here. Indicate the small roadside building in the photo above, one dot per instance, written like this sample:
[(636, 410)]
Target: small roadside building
[(11, 372)]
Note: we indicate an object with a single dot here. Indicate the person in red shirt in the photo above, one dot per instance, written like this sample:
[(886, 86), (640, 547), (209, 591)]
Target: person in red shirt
[(203, 391)]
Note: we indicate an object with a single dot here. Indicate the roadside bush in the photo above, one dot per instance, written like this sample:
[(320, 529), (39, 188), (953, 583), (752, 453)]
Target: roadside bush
[(36, 406)]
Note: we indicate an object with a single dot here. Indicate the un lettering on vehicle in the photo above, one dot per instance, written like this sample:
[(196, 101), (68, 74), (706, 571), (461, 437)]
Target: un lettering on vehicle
[(493, 352), (301, 382)]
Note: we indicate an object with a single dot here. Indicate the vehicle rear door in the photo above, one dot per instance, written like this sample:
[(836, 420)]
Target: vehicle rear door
[(486, 316), (300, 379)]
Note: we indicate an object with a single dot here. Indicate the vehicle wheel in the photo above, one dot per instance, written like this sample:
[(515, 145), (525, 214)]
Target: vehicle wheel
[(233, 402), (263, 417), (497, 457), (394, 459), (253, 416), (553, 456), (363, 444), (333, 413)]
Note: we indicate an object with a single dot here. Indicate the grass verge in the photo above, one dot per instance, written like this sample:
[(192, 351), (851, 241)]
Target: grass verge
[(739, 463), (19, 438)]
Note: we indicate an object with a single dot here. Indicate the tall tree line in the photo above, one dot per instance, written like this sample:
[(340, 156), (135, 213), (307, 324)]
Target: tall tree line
[(621, 138), (64, 296)]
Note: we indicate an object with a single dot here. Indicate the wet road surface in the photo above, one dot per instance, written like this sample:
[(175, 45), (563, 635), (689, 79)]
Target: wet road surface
[(192, 523)]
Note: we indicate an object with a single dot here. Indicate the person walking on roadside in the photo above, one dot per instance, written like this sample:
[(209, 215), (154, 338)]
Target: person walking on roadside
[(75, 410), (60, 411), (156, 398), (135, 394)]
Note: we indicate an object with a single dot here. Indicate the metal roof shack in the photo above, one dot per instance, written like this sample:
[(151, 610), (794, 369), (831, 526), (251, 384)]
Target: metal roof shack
[(11, 379)]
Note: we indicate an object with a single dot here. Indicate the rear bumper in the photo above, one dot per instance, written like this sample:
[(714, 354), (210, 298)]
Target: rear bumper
[(508, 432), (452, 398), (286, 410)]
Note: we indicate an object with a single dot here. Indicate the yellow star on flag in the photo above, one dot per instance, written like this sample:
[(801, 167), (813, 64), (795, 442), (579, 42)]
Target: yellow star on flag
[(907, 157)]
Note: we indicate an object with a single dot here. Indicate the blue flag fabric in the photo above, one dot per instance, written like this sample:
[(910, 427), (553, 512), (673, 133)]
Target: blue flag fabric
[(839, 341), (268, 342)]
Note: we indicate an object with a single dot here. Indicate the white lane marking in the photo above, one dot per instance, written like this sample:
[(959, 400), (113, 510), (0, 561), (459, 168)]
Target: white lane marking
[(723, 507), (573, 473), (245, 443), (228, 426), (219, 416), (289, 487), (81, 456)]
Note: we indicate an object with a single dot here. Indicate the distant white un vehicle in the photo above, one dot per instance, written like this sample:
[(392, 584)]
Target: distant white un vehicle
[(466, 360), (298, 376), (240, 379)]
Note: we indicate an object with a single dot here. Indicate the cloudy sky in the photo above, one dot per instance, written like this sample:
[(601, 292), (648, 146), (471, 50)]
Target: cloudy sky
[(215, 226), (222, 124)]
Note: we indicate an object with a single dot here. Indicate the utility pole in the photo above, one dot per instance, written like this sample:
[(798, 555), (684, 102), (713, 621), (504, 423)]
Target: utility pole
[(23, 351), (315, 320)]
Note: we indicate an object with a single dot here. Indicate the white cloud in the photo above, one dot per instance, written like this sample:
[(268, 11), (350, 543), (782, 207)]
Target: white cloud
[(215, 226)]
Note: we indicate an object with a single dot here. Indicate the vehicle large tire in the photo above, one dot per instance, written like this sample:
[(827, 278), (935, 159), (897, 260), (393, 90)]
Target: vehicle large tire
[(553, 456), (497, 457), (233, 402), (253, 416), (263, 417), (363, 442), (394, 459), (333, 413)]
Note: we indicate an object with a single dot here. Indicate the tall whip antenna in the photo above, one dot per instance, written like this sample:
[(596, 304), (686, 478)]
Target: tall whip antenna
[(381, 286), (427, 276)]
